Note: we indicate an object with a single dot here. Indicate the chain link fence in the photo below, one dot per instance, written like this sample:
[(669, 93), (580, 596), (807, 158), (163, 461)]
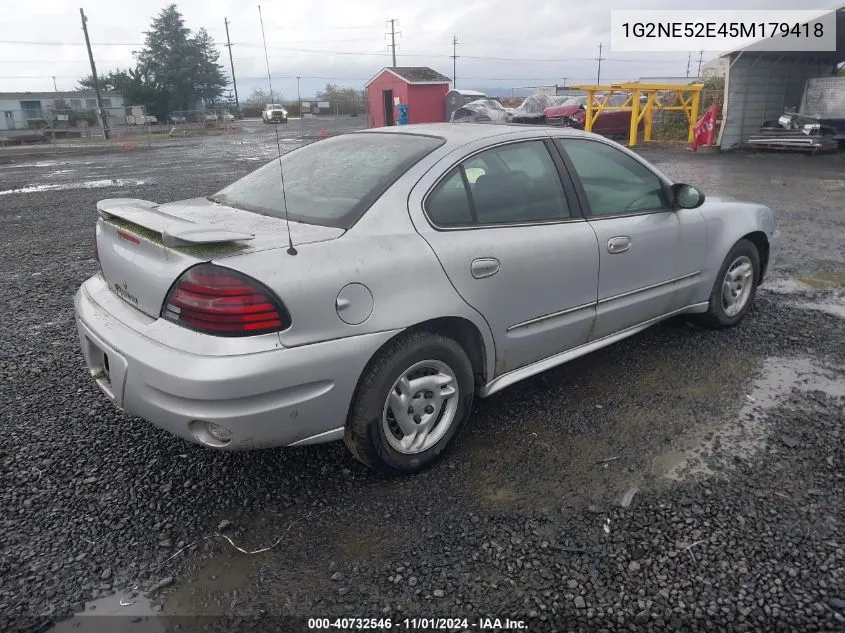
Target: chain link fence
[(75, 127), (673, 127), (323, 108), (130, 126)]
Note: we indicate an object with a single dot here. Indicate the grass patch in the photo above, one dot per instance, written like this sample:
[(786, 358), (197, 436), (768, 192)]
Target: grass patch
[(205, 251), (202, 251), (137, 230), (825, 279)]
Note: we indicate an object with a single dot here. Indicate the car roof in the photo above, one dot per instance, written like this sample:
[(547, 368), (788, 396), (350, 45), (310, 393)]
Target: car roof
[(461, 133)]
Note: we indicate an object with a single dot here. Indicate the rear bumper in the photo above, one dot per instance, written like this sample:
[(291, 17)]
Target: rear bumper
[(277, 397)]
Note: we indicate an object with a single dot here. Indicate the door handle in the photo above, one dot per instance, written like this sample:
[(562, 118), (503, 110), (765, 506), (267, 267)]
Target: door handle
[(484, 267), (618, 244)]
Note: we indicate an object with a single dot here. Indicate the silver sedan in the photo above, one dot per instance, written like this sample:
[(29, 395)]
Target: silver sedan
[(394, 274)]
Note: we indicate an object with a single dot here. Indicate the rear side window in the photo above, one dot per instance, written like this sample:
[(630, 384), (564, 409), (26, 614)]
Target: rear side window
[(331, 182), (449, 205), (514, 183)]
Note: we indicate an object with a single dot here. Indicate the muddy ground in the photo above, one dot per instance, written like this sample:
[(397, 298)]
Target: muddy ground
[(680, 480)]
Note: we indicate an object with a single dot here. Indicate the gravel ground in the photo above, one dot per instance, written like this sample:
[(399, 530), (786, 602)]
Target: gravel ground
[(681, 480)]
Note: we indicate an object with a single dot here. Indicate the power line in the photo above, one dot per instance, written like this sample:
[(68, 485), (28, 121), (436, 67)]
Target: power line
[(392, 46), (70, 43)]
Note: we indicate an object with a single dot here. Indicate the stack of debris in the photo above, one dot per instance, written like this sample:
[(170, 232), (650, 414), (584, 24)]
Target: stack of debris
[(794, 131), (819, 123), (533, 109), (481, 111)]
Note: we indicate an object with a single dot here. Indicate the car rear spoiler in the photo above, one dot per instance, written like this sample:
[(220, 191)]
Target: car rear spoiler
[(174, 231)]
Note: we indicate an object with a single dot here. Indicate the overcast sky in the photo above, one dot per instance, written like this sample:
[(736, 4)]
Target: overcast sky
[(501, 43)]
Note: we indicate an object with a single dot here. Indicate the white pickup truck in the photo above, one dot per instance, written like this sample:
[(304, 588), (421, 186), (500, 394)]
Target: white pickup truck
[(274, 113)]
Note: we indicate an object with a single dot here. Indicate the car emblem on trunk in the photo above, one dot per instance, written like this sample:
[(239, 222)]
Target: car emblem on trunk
[(124, 293)]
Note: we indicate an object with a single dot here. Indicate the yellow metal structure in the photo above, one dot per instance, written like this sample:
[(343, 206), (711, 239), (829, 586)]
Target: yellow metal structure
[(688, 95)]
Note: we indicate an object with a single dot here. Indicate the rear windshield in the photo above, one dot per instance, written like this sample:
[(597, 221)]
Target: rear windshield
[(330, 182)]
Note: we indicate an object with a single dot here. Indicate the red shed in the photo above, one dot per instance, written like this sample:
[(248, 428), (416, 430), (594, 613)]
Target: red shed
[(421, 88)]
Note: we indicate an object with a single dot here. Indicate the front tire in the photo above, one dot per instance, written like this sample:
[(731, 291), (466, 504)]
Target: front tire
[(734, 289), (411, 402)]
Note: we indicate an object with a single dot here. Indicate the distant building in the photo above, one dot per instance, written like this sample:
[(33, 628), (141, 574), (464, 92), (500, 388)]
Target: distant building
[(25, 110), (715, 67), (420, 88), (672, 81)]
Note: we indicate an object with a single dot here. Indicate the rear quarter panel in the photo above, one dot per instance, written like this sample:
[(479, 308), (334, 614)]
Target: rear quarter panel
[(383, 252)]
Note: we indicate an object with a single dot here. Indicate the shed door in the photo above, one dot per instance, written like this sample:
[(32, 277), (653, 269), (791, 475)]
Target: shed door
[(388, 107)]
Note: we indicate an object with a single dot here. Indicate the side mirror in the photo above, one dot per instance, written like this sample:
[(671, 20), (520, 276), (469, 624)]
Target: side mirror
[(687, 196)]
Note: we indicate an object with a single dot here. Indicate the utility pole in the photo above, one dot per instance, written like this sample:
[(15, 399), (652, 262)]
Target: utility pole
[(454, 62), (599, 60), (393, 34), (103, 115), (54, 84), (231, 63), (689, 59), (700, 59)]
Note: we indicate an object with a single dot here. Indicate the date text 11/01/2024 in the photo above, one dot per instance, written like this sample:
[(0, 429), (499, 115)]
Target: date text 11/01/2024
[(417, 624)]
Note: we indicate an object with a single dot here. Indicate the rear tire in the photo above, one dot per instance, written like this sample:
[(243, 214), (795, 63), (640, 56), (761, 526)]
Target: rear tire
[(411, 402), (734, 289)]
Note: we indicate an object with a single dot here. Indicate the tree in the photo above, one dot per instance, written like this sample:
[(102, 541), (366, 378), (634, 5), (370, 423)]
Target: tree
[(208, 78), (135, 85), (87, 83), (174, 70), (168, 60), (343, 100), (261, 97)]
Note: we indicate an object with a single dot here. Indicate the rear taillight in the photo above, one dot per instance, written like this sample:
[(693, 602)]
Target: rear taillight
[(220, 301)]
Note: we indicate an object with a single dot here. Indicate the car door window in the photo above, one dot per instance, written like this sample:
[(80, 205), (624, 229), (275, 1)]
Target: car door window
[(516, 183), (614, 182), (449, 204)]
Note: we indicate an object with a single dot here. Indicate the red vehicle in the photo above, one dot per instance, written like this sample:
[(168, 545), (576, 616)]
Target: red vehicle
[(573, 113)]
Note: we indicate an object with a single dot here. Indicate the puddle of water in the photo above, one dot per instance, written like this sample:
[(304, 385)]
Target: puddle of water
[(825, 279), (28, 165), (786, 286), (830, 302), (836, 308), (88, 184), (107, 614), (745, 434), (831, 184)]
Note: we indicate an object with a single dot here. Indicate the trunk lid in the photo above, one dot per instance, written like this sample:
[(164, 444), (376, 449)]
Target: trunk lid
[(143, 247)]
